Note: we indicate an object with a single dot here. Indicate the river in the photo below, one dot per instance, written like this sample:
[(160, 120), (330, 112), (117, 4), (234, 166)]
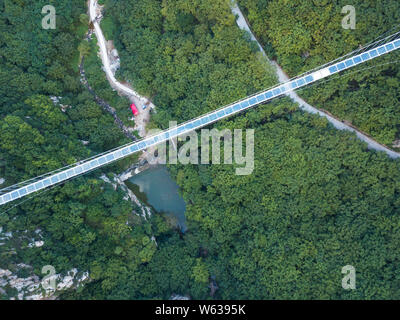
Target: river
[(156, 188)]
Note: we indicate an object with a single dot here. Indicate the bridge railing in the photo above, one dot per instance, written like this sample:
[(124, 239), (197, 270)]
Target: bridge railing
[(63, 174)]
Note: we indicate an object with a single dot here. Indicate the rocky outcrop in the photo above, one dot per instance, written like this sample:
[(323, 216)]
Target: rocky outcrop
[(115, 60), (134, 169), (56, 102), (145, 211), (16, 287), (32, 288)]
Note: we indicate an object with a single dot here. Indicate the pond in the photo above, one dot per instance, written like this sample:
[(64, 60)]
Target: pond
[(156, 188)]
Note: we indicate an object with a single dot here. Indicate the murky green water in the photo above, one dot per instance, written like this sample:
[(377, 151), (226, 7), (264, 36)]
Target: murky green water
[(155, 187)]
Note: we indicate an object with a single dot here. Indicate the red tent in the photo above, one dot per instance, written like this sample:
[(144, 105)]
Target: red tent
[(134, 109)]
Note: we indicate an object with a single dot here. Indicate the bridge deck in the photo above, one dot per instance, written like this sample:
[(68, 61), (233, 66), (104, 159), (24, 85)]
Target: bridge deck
[(197, 123)]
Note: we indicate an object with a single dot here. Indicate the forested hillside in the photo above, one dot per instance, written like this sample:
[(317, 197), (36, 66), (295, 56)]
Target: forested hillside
[(316, 201), (85, 224), (303, 34), (189, 58)]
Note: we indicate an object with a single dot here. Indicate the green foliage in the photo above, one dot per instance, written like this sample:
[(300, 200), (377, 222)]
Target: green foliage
[(200, 272), (313, 203), (316, 201), (312, 36), (84, 48), (98, 81), (84, 18), (190, 58), (108, 27), (85, 224)]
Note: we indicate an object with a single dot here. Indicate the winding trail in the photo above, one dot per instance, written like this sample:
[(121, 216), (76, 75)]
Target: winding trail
[(282, 77), (95, 16), (143, 104)]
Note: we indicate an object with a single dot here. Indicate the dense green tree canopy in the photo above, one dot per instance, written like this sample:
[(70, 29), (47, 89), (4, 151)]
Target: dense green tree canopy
[(312, 35), (316, 201)]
